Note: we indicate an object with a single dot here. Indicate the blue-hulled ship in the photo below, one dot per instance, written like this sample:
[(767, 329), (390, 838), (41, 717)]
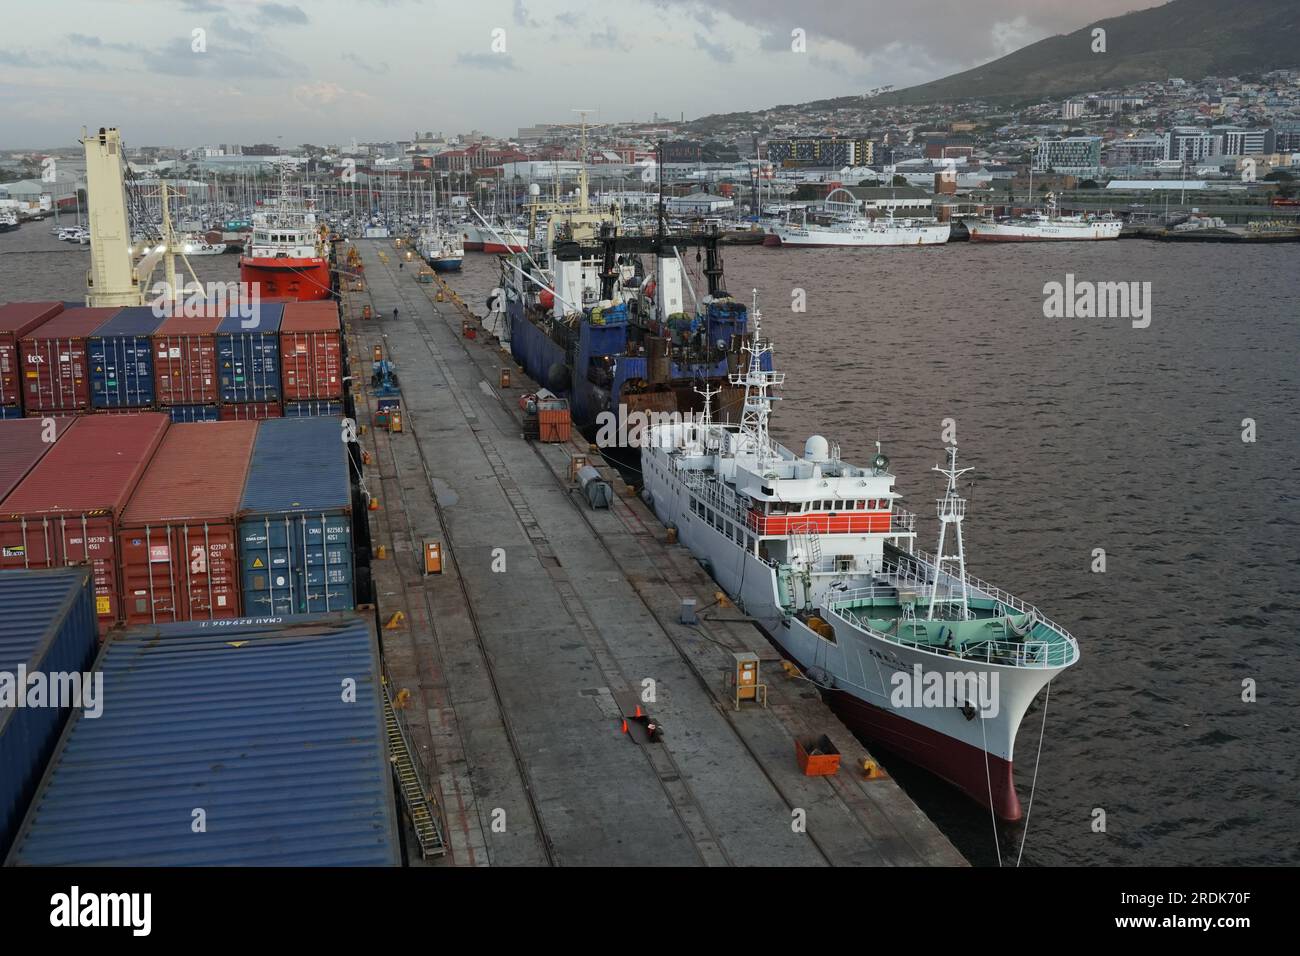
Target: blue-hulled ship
[(603, 319)]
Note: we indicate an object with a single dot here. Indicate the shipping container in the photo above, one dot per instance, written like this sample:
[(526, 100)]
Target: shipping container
[(16, 320), (193, 413), (176, 537), (56, 376), (23, 443), (185, 361), (311, 351), (309, 409), (10, 411), (250, 411), (121, 360), (47, 626), (248, 355), (244, 719), (65, 511), (296, 520)]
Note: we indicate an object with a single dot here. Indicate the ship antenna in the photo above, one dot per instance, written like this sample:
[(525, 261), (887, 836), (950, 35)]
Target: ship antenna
[(951, 510), (757, 407)]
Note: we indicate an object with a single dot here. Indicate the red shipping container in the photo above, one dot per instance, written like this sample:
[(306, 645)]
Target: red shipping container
[(22, 444), (65, 511), (55, 373), (250, 411), (177, 538), (16, 320), (185, 361), (311, 351)]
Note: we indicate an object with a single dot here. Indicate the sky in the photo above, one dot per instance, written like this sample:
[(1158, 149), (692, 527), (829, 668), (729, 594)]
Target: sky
[(193, 72)]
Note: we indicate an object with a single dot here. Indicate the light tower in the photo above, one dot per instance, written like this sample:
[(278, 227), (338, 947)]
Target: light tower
[(951, 510)]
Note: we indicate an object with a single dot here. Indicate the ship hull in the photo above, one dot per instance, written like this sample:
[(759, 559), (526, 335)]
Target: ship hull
[(500, 248), (827, 239), (445, 265), (1006, 232), (305, 280)]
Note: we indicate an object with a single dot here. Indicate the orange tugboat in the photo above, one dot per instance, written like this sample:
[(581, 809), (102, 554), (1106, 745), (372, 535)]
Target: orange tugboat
[(286, 255)]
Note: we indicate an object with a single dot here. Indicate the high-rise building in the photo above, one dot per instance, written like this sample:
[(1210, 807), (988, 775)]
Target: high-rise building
[(832, 151), (1189, 144)]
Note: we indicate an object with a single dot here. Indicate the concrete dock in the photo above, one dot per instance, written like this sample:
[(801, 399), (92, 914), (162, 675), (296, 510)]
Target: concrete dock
[(551, 620)]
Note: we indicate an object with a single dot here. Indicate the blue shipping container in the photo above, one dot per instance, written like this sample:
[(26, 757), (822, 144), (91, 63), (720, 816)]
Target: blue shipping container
[(47, 626), (10, 411), (194, 413), (121, 359), (274, 730), (248, 355), (308, 409), (295, 529)]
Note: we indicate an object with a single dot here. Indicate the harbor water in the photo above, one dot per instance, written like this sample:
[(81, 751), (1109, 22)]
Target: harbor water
[(1085, 434)]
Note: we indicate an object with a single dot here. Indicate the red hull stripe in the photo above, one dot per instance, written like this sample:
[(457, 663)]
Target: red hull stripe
[(959, 763)]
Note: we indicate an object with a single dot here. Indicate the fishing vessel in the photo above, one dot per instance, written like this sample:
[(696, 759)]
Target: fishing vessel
[(1047, 224), (886, 231), (286, 254), (441, 248), (912, 652), (588, 318)]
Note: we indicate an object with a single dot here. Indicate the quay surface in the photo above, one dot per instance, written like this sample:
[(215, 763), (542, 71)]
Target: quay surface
[(517, 663)]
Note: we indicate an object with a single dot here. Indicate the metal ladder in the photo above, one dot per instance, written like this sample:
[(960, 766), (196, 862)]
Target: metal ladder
[(420, 806)]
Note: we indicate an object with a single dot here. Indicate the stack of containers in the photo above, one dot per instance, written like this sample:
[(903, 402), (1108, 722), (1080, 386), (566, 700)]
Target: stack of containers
[(66, 510), (48, 626), (23, 443), (56, 377), (177, 535), (311, 359), (243, 719), (121, 360), (17, 319), (186, 381), (248, 360), (296, 520)]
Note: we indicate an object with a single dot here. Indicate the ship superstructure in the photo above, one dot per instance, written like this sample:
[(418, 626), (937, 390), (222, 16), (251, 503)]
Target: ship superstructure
[(820, 553), (286, 254)]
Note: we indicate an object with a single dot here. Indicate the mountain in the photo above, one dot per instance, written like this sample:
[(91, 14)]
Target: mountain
[(1185, 38)]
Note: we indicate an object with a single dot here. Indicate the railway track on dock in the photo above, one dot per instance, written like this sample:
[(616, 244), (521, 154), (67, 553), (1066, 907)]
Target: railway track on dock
[(668, 773), (674, 783)]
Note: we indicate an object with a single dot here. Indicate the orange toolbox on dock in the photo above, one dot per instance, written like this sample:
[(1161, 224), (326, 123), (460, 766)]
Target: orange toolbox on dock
[(817, 756)]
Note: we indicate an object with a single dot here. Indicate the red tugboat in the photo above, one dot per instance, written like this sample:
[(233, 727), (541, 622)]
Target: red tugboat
[(286, 254)]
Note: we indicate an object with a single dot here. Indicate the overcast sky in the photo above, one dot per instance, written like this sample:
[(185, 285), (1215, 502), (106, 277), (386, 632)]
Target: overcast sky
[(188, 72)]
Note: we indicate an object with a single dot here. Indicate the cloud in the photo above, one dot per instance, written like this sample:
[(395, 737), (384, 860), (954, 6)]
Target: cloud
[(487, 61), (609, 37), (521, 15), (375, 68), (201, 6), (715, 50), (954, 32), (324, 93), (281, 13), (567, 19), (21, 59)]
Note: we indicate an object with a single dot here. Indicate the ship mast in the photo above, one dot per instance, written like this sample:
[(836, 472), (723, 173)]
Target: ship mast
[(758, 403), (951, 510)]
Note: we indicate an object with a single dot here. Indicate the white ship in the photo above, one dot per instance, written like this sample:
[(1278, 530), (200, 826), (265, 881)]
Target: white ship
[(887, 231), (1045, 225), (912, 652)]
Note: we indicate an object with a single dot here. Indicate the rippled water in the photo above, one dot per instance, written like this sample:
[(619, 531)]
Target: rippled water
[(1084, 434)]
